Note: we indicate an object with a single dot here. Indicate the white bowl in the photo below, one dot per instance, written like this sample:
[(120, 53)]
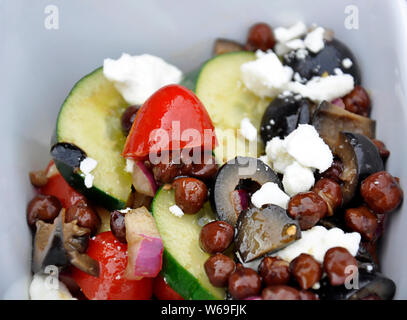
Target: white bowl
[(39, 67)]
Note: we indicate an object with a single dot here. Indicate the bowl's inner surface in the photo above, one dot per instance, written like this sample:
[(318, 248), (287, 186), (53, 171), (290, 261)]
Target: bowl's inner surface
[(42, 65)]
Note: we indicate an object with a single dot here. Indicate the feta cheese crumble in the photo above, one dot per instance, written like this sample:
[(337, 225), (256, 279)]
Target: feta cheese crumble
[(347, 63), (306, 146), (297, 155), (138, 77), (266, 76), (314, 41), (176, 211), (270, 193), (248, 130), (40, 289), (297, 179), (324, 88), (129, 165), (86, 166), (295, 31), (318, 240)]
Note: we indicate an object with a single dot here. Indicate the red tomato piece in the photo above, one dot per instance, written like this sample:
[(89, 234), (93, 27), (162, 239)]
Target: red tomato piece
[(162, 290), (173, 118), (111, 283), (58, 187)]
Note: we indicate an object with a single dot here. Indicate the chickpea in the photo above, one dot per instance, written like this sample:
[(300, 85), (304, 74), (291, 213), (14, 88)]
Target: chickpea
[(117, 225), (43, 207), (86, 216), (280, 292), (260, 37), (216, 236), (337, 260), (306, 270), (128, 117), (381, 192), (218, 268), (190, 194), (274, 271), (38, 178), (331, 192), (358, 101), (244, 282), (363, 221), (308, 208), (334, 172), (384, 152), (308, 295)]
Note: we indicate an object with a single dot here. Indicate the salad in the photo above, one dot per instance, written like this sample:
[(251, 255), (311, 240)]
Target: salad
[(257, 176)]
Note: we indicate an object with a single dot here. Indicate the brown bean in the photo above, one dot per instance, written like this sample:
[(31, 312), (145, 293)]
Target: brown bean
[(44, 208), (128, 117), (331, 192), (358, 101), (363, 221), (306, 270), (117, 225), (308, 295), (308, 208), (334, 172), (190, 194), (38, 178), (218, 268), (260, 37), (280, 292), (384, 152), (381, 192), (274, 271), (205, 171), (216, 236), (165, 172), (337, 261), (244, 282), (85, 215)]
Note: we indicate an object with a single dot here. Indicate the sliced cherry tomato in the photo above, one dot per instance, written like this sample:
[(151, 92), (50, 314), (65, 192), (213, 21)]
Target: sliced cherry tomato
[(111, 283), (162, 290), (58, 187), (173, 118)]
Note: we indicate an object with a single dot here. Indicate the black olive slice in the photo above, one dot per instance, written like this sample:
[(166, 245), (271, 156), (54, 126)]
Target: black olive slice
[(264, 230)]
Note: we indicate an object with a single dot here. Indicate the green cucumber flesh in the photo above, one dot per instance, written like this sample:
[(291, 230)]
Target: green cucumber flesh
[(183, 260), (90, 119), (220, 89)]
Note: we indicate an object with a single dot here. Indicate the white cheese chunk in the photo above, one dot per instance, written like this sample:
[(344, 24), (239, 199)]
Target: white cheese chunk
[(317, 241), (314, 41), (266, 76), (347, 63), (297, 179), (248, 130), (129, 165), (306, 146), (138, 77), (176, 211), (40, 289), (270, 193), (324, 88), (86, 166), (278, 155), (295, 31)]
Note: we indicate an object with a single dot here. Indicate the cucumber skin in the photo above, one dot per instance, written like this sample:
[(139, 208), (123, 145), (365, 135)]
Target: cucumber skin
[(183, 282), (75, 180), (177, 277)]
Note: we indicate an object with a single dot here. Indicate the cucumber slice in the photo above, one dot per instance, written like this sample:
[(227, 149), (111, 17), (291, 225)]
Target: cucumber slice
[(227, 101), (183, 260), (90, 119)]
